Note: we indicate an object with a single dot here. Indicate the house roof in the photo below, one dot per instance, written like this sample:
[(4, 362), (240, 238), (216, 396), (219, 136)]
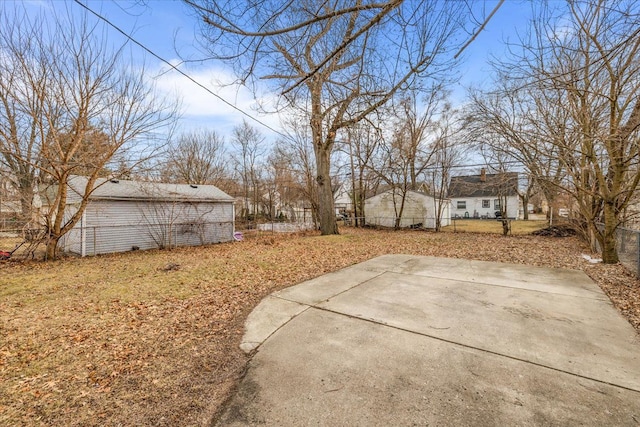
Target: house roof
[(498, 184), (417, 193), (114, 189)]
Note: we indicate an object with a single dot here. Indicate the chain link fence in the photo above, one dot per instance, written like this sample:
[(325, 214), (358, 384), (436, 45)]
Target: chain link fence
[(628, 246), (120, 238), (103, 239), (11, 223), (255, 228), (95, 240), (428, 223), (24, 242)]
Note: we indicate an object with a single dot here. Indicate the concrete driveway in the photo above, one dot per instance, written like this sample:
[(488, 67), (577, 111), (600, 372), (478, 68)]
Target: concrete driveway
[(406, 340)]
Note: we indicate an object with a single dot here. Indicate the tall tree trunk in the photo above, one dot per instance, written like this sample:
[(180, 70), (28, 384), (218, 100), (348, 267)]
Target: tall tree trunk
[(506, 227), (550, 192), (361, 198), (245, 203), (326, 214), (398, 219), (525, 206), (52, 247), (609, 249), (26, 203), (437, 210)]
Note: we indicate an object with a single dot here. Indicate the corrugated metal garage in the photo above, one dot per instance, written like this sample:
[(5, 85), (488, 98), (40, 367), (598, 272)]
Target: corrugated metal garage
[(127, 215)]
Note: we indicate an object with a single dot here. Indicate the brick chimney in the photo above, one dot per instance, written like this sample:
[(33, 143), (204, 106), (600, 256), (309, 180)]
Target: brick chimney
[(483, 175)]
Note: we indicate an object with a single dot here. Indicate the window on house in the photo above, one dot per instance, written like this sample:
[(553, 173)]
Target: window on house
[(461, 204), (496, 204), (486, 204)]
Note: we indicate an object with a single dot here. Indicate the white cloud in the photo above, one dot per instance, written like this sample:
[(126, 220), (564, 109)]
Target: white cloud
[(202, 109)]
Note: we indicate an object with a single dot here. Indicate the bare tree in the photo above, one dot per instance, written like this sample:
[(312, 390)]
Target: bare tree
[(586, 60), (515, 125), (396, 164), (78, 105), (503, 184), (22, 78), (298, 150), (248, 150), (362, 150), (281, 189), (415, 125), (197, 157), (408, 150), (337, 61), (169, 223), (449, 149)]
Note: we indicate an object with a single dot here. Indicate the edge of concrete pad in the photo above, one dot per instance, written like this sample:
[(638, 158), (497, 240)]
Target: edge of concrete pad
[(320, 289), (268, 316), (280, 307), (367, 374), (384, 262), (521, 276)]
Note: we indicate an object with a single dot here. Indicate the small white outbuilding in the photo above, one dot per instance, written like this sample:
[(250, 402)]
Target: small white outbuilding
[(124, 215), (419, 209)]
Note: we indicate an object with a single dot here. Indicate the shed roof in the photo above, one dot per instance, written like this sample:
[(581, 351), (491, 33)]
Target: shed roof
[(399, 193), (114, 189), (497, 184)]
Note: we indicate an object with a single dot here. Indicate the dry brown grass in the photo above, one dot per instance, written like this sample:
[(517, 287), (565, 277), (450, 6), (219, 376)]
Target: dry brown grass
[(151, 338), (493, 226)]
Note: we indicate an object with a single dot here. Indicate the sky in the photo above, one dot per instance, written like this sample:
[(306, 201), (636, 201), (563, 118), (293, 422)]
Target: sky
[(168, 29)]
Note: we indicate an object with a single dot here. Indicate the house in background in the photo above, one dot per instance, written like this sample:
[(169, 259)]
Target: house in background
[(342, 200), (10, 207), (125, 215), (481, 196), (419, 209)]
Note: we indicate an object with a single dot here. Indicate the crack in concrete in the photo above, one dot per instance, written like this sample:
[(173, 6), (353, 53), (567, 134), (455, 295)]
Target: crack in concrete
[(483, 350)]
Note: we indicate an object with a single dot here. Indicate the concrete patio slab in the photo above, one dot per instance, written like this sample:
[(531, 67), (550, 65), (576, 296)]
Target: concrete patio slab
[(563, 332), (550, 280), (318, 290), (267, 318), (405, 340)]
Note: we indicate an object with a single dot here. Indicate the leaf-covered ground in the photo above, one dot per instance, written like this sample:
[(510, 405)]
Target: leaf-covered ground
[(151, 338)]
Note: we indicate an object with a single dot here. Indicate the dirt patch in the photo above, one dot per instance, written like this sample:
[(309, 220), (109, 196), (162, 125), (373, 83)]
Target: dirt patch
[(125, 340)]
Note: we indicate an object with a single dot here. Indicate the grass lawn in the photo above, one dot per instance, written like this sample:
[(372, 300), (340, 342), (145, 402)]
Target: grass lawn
[(493, 226), (151, 337)]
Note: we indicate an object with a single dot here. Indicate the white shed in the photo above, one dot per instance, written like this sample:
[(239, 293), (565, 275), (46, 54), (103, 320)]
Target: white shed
[(126, 215), (419, 209), (342, 200)]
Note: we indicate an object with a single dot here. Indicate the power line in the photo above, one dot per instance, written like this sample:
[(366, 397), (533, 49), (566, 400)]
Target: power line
[(340, 173), (173, 67)]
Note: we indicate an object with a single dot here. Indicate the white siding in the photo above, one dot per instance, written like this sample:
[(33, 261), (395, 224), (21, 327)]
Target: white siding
[(474, 206), (72, 241), (342, 199), (446, 214), (118, 226), (73, 197), (418, 209)]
